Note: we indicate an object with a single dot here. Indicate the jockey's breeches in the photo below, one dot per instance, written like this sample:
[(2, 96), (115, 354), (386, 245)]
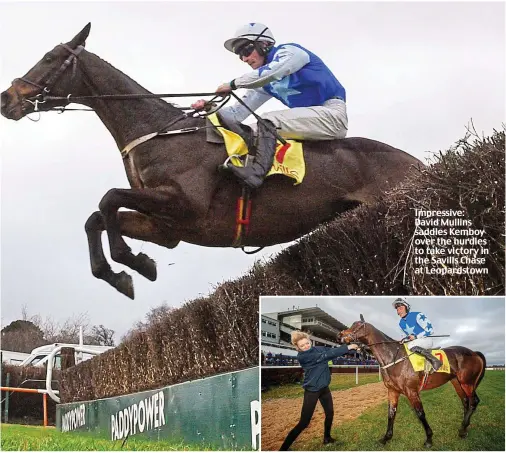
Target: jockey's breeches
[(424, 342), (325, 122)]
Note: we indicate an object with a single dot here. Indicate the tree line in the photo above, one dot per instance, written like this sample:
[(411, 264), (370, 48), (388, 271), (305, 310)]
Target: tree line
[(30, 332)]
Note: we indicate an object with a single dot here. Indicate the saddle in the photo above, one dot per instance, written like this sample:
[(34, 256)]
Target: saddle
[(419, 363), (213, 135), (239, 139)]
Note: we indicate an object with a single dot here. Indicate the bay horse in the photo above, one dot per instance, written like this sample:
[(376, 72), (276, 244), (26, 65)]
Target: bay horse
[(177, 193), (467, 369)]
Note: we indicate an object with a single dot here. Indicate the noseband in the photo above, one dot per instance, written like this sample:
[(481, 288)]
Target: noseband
[(354, 336), (48, 85)]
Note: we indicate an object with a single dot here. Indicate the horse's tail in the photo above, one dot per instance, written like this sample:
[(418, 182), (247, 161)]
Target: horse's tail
[(484, 360)]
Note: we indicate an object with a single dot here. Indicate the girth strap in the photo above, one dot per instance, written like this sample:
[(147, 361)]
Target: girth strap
[(124, 152)]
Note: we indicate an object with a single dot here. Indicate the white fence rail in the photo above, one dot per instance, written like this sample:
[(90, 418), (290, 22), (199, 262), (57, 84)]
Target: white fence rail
[(275, 367)]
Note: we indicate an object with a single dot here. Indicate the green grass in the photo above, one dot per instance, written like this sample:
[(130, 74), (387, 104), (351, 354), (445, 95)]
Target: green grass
[(444, 413), (338, 382), (38, 438)]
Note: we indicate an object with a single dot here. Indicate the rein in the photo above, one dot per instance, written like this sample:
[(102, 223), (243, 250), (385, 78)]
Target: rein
[(44, 95), (46, 87), (119, 97), (396, 361), (382, 342)]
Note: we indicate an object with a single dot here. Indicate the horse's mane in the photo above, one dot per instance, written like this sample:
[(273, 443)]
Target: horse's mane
[(131, 83), (384, 335)]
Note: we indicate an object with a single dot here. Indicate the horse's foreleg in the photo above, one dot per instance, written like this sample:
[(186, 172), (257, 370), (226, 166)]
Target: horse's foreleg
[(100, 268), (393, 400), (416, 403), (148, 201), (132, 224)]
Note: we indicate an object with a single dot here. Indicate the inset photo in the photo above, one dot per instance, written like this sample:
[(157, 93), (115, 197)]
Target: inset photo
[(382, 373)]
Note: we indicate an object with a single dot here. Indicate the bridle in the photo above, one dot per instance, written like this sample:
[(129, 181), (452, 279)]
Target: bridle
[(45, 87), (354, 338)]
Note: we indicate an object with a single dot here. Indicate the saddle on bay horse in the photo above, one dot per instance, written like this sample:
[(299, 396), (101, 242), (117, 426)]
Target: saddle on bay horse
[(238, 140), (420, 363)]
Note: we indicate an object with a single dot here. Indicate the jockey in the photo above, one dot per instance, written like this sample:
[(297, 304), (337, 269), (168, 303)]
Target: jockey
[(417, 327), (296, 77)]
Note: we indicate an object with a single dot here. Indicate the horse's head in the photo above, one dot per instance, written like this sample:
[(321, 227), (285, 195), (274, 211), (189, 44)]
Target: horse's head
[(53, 74), (357, 332)]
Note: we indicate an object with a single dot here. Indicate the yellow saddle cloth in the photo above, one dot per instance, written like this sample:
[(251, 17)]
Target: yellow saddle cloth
[(418, 361), (290, 163)]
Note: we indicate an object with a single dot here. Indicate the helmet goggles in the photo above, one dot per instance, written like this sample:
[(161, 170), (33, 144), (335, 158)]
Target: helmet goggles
[(401, 302), (245, 50)]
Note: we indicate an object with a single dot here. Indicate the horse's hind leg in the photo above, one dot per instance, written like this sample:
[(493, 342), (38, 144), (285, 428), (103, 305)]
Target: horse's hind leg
[(416, 403), (393, 399), (469, 400), (100, 268)]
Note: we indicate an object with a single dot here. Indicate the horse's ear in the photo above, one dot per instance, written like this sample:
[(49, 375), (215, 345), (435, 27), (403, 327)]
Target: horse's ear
[(362, 318), (80, 38)]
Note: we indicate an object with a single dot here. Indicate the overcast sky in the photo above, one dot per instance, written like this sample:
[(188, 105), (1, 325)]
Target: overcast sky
[(474, 322), (415, 74)]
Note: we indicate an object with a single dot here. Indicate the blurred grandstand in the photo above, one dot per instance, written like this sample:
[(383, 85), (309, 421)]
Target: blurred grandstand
[(322, 328)]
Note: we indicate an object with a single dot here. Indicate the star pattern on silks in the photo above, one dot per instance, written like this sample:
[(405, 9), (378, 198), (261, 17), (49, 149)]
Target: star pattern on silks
[(267, 66), (410, 330), (422, 317), (263, 68), (282, 90), (429, 326)]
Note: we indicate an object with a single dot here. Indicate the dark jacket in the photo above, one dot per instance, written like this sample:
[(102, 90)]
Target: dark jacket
[(314, 362)]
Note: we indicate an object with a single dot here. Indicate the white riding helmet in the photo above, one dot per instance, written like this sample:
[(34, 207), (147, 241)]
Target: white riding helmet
[(253, 31), (401, 301)]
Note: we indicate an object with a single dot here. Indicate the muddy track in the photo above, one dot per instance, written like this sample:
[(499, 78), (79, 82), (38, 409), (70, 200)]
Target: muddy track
[(279, 416)]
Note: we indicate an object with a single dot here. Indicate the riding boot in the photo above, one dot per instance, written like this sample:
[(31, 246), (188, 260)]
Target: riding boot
[(434, 361), (254, 174)]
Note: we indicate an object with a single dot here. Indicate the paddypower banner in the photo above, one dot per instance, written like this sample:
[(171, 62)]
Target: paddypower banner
[(221, 411)]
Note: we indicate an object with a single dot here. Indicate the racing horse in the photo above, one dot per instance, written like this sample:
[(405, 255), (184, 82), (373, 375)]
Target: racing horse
[(467, 369), (177, 193)]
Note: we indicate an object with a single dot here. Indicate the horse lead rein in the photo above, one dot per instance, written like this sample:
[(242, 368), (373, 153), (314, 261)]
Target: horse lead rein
[(395, 341)]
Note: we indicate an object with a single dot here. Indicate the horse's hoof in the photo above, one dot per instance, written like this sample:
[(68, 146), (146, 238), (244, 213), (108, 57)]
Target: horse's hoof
[(125, 285), (383, 441), (147, 266), (463, 434), (427, 444)]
